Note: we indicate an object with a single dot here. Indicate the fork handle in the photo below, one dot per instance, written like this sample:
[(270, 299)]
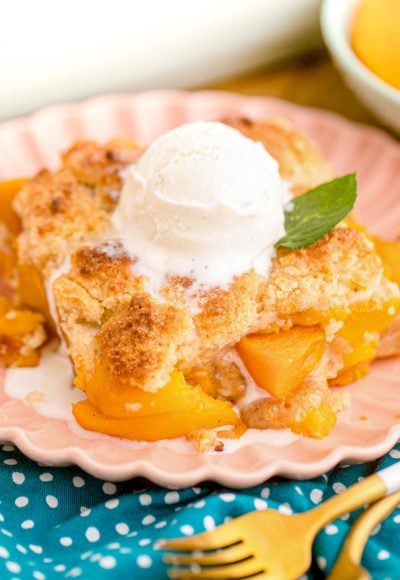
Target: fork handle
[(368, 490), (361, 530)]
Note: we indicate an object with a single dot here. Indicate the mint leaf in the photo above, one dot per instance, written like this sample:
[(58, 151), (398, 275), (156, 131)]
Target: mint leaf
[(316, 212)]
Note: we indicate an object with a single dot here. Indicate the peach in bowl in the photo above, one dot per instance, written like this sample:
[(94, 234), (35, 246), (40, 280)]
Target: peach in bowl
[(362, 39)]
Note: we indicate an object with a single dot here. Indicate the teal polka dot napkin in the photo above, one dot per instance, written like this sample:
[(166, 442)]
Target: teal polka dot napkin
[(62, 523)]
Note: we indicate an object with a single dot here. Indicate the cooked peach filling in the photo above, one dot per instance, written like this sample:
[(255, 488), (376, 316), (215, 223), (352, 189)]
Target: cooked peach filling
[(21, 334), (8, 216), (32, 292), (22, 331), (279, 362), (176, 410), (10, 227), (357, 340), (389, 253), (285, 364)]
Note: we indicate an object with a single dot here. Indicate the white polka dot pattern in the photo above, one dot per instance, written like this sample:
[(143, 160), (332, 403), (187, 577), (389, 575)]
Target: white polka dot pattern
[(145, 499), (331, 529), (88, 535), (109, 488), (51, 501), (316, 496), (108, 562), (171, 497), (160, 525), (111, 504), (260, 504), (209, 523), (92, 534), (122, 529), (46, 477), (187, 530), (21, 501), (66, 541), (144, 561), (18, 477), (13, 567), (27, 524), (144, 542), (285, 508), (227, 497), (78, 481), (338, 487)]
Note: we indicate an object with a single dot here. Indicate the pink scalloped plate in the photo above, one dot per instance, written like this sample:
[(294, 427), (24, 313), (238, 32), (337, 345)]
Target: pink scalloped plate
[(364, 432)]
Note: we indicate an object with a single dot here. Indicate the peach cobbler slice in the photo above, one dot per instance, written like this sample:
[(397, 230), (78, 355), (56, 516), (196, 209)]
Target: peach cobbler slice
[(152, 366)]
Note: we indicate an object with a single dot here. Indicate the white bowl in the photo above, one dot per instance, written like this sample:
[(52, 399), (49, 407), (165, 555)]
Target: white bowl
[(381, 98)]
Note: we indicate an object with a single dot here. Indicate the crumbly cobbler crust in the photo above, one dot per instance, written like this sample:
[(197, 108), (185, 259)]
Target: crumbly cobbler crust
[(300, 161)]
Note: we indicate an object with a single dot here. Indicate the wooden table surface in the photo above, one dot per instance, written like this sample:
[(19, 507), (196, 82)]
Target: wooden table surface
[(310, 80)]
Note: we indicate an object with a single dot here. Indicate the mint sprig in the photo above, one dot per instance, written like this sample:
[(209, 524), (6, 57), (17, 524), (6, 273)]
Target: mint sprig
[(316, 212)]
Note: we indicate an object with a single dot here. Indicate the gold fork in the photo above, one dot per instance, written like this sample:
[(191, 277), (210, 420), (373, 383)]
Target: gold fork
[(268, 544), (348, 564)]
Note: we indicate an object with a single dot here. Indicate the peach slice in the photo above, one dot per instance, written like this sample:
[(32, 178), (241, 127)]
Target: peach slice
[(204, 379), (21, 335), (316, 422), (144, 428), (32, 292), (280, 362), (176, 410), (117, 399), (11, 228), (375, 40), (221, 379), (8, 217), (361, 331), (350, 375), (389, 252)]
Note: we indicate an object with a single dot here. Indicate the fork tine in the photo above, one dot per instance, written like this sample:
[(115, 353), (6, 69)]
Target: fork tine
[(221, 537), (241, 570), (226, 556)]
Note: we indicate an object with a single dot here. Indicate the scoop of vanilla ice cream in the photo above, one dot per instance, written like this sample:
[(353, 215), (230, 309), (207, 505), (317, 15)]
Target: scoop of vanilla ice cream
[(202, 201)]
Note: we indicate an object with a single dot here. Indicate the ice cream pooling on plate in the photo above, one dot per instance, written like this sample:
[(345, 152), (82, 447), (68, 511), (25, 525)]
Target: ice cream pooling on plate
[(203, 201)]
